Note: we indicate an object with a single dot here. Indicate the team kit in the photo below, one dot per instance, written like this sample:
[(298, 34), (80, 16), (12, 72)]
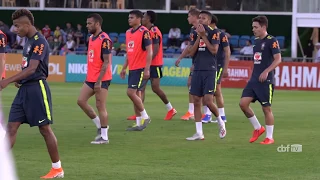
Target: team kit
[(210, 52)]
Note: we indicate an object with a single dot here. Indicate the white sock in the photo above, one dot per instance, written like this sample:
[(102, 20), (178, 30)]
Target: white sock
[(208, 112), (144, 114), (138, 121), (56, 165), (96, 121), (169, 106), (191, 108), (220, 121), (204, 109), (255, 123), (104, 133), (221, 112), (269, 129), (199, 128)]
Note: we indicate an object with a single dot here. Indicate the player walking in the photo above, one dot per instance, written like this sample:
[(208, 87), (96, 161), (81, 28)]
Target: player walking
[(148, 20), (261, 84), (32, 104), (205, 43), (98, 78), (139, 56)]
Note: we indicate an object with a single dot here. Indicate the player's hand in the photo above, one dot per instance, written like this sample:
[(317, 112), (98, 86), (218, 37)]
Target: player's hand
[(225, 74), (17, 85), (200, 30), (263, 76), (97, 86), (177, 62), (123, 74), (3, 84), (146, 74)]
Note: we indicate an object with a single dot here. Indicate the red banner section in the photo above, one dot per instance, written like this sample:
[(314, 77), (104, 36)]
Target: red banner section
[(289, 75)]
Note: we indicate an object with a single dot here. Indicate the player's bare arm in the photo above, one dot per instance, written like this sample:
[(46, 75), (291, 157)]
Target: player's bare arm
[(106, 46), (124, 68), (194, 47), (276, 61), (227, 55), (213, 48), (3, 44), (184, 54), (155, 48), (146, 73)]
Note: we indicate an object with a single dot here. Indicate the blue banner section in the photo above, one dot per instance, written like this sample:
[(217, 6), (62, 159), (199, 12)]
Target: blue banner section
[(76, 67)]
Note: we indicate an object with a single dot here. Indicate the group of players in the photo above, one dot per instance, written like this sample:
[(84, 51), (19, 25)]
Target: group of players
[(210, 54)]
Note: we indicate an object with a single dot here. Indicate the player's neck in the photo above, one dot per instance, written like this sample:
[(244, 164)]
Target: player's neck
[(98, 31), (264, 35), (136, 26), (32, 32), (149, 26)]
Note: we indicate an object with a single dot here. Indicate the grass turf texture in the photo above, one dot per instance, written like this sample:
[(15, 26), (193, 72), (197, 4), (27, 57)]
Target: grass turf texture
[(161, 151)]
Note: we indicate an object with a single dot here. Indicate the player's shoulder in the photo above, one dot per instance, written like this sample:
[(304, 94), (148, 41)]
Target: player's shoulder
[(155, 29), (271, 38), (143, 29), (129, 30), (39, 39)]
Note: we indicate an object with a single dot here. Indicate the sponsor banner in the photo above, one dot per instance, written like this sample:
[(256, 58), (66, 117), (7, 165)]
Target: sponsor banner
[(56, 67), (76, 70), (288, 75)]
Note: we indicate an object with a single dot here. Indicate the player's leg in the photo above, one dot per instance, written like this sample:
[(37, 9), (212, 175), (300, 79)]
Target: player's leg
[(142, 96), (39, 113), (155, 76), (196, 92), (136, 83), (190, 113), (17, 116), (85, 93), (206, 116), (247, 97), (101, 98), (209, 89), (265, 95)]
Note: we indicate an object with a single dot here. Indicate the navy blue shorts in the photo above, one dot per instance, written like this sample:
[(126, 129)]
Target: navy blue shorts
[(219, 75), (135, 79), (155, 72), (104, 84), (202, 83), (263, 92), (32, 104)]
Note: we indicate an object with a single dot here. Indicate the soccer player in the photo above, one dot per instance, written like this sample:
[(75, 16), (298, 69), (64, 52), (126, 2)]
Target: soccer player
[(3, 44), (223, 58), (148, 21), (98, 78), (193, 16), (32, 104), (205, 43), (139, 56), (261, 84)]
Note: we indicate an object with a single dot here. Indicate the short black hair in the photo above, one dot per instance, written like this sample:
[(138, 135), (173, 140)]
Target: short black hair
[(152, 15), (262, 20), (96, 17), (23, 12), (208, 14), (137, 13), (194, 12), (214, 19)]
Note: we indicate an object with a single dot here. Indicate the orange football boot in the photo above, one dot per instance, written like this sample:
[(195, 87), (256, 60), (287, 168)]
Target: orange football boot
[(256, 134), (187, 116), (132, 118), (170, 114), (267, 141), (54, 173)]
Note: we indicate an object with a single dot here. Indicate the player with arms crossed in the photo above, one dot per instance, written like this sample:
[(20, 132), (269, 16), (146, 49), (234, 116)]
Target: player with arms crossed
[(261, 84), (205, 43), (3, 45), (193, 17), (148, 21), (98, 78), (139, 56), (223, 58), (32, 104)]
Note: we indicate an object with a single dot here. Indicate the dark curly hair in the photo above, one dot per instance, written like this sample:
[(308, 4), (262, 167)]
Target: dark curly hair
[(23, 12)]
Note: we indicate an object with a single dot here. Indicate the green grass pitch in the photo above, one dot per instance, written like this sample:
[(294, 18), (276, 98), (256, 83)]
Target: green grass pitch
[(161, 151)]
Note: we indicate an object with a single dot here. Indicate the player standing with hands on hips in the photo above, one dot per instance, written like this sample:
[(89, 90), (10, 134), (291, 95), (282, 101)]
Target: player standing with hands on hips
[(139, 57), (205, 43), (261, 84), (98, 78)]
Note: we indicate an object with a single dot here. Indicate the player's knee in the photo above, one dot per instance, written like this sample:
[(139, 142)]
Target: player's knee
[(266, 109), (131, 92), (45, 130), (156, 89), (100, 106), (81, 102), (243, 105), (11, 130)]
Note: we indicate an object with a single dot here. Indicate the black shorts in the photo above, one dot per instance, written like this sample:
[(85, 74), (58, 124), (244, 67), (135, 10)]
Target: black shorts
[(263, 92), (104, 84), (155, 72), (219, 75), (135, 79), (32, 104), (203, 82)]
